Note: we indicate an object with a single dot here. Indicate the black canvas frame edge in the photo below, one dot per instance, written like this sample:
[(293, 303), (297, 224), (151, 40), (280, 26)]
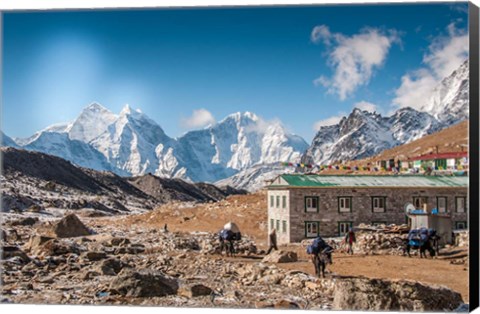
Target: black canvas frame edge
[(473, 19)]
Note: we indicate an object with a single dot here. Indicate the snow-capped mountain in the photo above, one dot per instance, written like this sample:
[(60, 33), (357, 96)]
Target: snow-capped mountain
[(77, 152), (91, 123), (7, 141), (236, 143), (450, 100), (242, 149), (131, 143), (408, 124), (363, 134)]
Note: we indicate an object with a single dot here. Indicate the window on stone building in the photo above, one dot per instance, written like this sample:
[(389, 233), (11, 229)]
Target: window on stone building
[(442, 204), (272, 224), (344, 226), (460, 225), (345, 204), (278, 201), (284, 201), (284, 226), (278, 226), (272, 201), (311, 229), (311, 204), (378, 204), (460, 204)]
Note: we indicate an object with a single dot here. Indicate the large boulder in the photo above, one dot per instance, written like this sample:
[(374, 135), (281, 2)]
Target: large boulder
[(386, 295), (145, 283), (70, 226), (281, 257)]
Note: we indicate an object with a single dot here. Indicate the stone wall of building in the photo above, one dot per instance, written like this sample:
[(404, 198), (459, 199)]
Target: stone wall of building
[(329, 216), (279, 214)]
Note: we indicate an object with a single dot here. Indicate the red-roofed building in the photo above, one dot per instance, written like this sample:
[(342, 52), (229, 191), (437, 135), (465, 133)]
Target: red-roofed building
[(441, 161)]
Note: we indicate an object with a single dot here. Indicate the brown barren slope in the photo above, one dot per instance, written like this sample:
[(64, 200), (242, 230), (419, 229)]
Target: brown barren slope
[(249, 212)]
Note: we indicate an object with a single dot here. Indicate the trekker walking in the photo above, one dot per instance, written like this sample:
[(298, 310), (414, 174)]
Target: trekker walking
[(273, 241), (349, 240)]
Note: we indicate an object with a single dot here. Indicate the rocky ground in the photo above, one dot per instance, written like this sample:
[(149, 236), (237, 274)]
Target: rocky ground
[(110, 260)]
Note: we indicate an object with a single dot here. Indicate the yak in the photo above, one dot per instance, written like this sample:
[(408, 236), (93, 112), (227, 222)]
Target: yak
[(320, 261), (423, 240)]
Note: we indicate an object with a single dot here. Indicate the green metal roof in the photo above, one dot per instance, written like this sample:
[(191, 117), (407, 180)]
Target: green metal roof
[(369, 181)]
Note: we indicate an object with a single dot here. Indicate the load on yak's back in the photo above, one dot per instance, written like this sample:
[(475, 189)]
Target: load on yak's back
[(227, 236), (424, 240), (321, 255), (231, 232)]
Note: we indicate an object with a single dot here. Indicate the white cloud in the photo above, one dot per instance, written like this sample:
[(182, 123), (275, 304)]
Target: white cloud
[(329, 121), (445, 54), (353, 58), (198, 119), (365, 105), (321, 33)]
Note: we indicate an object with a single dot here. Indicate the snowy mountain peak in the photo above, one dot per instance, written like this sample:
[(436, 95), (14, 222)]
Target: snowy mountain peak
[(92, 121), (126, 110), (364, 134), (6, 140), (450, 99), (59, 127), (95, 107), (241, 117)]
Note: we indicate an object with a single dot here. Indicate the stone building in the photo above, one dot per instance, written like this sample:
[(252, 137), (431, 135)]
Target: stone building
[(305, 206)]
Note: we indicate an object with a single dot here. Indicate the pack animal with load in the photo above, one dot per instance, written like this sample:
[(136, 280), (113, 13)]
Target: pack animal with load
[(321, 255), (424, 240), (227, 236)]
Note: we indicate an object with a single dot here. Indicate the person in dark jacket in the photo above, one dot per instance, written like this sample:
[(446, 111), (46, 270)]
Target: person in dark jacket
[(349, 240), (273, 241)]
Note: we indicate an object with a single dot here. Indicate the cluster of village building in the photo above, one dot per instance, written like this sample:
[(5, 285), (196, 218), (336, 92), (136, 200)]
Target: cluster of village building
[(308, 205), (448, 161)]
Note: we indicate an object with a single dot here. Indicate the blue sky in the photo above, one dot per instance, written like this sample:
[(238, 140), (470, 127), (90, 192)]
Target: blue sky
[(306, 66)]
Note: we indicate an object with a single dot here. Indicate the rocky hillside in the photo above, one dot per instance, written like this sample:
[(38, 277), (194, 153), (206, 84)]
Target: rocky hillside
[(36, 181)]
